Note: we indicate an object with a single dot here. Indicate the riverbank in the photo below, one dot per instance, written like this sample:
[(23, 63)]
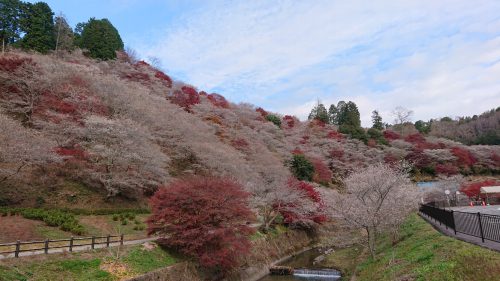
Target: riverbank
[(422, 253)]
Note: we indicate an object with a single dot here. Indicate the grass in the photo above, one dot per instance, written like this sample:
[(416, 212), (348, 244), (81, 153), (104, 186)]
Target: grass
[(132, 261), (345, 260), (425, 254), (142, 261)]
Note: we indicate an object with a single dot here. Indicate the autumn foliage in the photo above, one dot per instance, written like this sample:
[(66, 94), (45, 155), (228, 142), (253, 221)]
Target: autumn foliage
[(218, 100), (465, 158), (473, 189), (186, 97), (316, 215), (205, 218), (322, 174), (391, 135)]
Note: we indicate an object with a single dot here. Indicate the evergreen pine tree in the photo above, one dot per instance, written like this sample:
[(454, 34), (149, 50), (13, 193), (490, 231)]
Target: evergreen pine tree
[(377, 121), (10, 11), (38, 24), (333, 114), (100, 38), (320, 113)]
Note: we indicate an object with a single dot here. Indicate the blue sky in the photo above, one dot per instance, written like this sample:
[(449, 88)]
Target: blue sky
[(437, 58)]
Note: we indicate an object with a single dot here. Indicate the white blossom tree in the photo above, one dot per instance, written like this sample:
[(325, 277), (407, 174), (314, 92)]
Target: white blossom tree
[(376, 198)]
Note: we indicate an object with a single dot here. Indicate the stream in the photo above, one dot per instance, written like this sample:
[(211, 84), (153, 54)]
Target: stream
[(306, 269)]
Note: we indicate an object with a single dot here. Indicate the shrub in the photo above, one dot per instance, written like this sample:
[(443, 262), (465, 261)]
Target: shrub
[(262, 112), (165, 78), (316, 215), (116, 217), (335, 135), (322, 173), (275, 119), (289, 121), (302, 168), (218, 100), (186, 97), (337, 153), (465, 158), (64, 220), (205, 218), (446, 169), (12, 63), (391, 135)]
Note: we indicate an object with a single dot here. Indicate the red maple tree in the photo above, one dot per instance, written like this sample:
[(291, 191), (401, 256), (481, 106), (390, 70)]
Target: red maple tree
[(472, 190), (206, 218)]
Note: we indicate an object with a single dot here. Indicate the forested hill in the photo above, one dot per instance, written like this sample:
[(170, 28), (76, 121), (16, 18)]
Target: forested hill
[(73, 126)]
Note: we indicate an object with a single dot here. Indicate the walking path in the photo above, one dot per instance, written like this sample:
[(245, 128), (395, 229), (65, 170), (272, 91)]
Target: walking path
[(79, 248), (464, 237)]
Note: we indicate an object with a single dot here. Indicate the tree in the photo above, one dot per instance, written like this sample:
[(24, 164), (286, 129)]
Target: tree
[(320, 113), (206, 218), (64, 34), (274, 119), (333, 114), (21, 147), (38, 24), (100, 38), (423, 127), (302, 168), (377, 197), (401, 116), (377, 121), (10, 11)]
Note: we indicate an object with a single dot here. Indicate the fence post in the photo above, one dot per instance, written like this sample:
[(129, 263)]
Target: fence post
[(18, 248), (121, 239), (480, 226), (71, 244), (92, 243), (46, 247), (454, 225), (107, 241)]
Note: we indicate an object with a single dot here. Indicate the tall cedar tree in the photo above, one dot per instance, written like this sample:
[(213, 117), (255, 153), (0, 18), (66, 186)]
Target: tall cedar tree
[(100, 38), (320, 113), (38, 23), (10, 11), (206, 218), (377, 120)]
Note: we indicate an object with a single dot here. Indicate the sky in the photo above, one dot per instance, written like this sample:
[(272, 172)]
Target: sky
[(437, 58)]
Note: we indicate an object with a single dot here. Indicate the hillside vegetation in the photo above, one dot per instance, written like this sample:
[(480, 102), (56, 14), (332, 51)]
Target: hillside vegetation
[(82, 133)]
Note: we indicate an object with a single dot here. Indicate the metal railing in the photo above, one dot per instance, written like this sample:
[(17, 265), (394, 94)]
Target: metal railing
[(484, 226), (70, 243)]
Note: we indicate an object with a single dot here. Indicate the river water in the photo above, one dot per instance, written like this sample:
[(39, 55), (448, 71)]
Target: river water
[(306, 269)]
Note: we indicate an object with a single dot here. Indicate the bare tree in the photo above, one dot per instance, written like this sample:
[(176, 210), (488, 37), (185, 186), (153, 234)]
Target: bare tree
[(376, 198), (401, 116), (21, 147)]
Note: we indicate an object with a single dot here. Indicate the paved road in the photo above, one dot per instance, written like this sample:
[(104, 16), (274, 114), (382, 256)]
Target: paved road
[(490, 210), (78, 248)]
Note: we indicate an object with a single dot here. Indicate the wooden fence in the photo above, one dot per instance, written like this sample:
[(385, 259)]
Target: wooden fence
[(71, 243)]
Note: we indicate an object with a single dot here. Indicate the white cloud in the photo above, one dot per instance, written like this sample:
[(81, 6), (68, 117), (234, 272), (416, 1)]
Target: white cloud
[(436, 57)]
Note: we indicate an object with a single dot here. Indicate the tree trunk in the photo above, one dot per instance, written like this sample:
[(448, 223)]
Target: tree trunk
[(371, 240)]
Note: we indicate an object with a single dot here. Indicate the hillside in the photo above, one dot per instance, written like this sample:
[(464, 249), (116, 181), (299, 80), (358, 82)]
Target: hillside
[(81, 133)]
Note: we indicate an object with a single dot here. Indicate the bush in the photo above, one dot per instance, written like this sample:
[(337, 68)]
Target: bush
[(275, 119), (116, 217), (189, 216), (302, 168), (65, 221)]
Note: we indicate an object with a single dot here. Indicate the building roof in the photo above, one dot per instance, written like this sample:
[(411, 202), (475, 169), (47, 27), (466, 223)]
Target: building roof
[(490, 189)]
